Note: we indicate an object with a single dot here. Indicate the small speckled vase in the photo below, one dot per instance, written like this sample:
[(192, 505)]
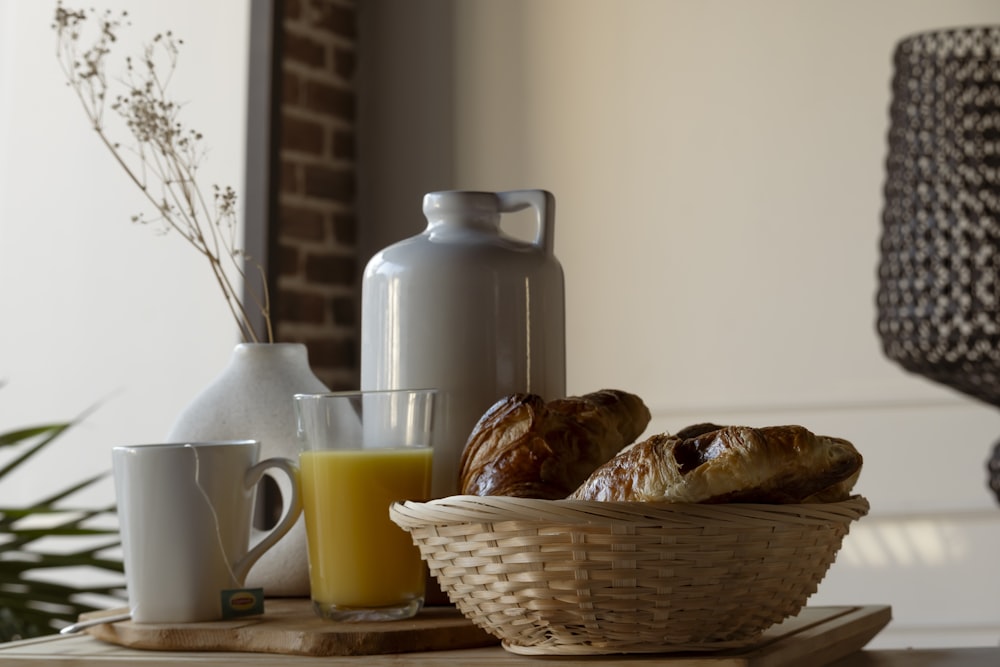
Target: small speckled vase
[(252, 399)]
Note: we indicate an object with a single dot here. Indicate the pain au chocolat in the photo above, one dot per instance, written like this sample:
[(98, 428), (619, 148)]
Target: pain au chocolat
[(526, 447), (707, 463)]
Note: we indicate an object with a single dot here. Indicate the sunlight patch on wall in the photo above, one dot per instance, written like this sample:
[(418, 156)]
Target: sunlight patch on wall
[(904, 543)]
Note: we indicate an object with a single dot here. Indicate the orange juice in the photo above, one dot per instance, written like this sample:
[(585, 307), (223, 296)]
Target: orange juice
[(357, 556)]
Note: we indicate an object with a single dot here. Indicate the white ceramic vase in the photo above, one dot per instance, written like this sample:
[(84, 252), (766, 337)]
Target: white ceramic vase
[(252, 399)]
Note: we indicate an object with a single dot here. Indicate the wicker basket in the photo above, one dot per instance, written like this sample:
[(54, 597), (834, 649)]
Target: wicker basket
[(582, 577)]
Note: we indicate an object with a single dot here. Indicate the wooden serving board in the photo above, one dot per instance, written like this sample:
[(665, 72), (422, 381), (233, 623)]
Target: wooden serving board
[(289, 626), (817, 636)]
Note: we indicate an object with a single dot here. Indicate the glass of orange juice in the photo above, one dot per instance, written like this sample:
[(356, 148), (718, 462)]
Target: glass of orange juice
[(361, 451)]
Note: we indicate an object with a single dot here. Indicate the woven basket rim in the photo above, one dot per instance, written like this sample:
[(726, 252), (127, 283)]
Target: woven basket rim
[(490, 509)]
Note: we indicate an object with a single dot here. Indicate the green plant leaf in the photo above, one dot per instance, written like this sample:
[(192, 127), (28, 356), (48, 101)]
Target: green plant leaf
[(16, 437), (65, 493), (14, 513), (50, 434), (30, 606)]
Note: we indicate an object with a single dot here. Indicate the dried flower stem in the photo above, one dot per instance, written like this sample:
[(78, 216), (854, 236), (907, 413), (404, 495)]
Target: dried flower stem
[(163, 158)]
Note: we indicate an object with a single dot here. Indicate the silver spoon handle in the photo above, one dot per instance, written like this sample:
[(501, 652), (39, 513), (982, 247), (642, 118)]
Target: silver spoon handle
[(77, 627)]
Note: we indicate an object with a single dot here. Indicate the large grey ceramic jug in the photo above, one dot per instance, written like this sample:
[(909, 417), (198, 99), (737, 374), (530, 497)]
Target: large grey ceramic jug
[(469, 310)]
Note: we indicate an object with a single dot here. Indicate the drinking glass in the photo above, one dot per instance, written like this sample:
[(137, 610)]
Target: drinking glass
[(360, 452)]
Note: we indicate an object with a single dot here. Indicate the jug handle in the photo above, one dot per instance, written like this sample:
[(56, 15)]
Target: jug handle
[(545, 210)]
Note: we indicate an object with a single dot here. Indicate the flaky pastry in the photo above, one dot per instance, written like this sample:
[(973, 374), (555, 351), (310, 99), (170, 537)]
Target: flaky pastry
[(526, 447), (707, 463)]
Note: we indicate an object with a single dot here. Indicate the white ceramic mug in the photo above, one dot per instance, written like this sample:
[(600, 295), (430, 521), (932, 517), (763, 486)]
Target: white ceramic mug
[(185, 512)]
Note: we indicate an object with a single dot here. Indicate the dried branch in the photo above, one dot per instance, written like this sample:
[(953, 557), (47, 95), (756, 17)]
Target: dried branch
[(162, 156)]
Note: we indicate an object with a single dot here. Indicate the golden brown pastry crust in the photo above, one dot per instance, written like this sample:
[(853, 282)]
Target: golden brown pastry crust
[(775, 464), (528, 448)]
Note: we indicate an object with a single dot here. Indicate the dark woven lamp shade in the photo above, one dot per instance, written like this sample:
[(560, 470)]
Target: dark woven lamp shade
[(939, 276)]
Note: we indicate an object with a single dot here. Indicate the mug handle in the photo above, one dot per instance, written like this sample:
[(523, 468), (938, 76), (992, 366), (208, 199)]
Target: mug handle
[(293, 508)]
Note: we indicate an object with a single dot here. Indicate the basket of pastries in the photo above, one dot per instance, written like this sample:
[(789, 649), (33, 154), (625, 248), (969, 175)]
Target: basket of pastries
[(571, 537)]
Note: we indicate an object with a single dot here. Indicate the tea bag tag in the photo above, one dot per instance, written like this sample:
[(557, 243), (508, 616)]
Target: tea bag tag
[(238, 602)]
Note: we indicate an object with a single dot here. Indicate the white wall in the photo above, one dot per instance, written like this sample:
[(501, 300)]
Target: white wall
[(718, 172), (97, 310)]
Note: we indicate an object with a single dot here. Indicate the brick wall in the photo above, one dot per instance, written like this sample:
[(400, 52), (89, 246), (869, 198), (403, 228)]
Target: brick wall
[(313, 240)]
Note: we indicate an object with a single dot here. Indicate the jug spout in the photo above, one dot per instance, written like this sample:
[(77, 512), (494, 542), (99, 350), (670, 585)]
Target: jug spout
[(461, 206), (456, 209)]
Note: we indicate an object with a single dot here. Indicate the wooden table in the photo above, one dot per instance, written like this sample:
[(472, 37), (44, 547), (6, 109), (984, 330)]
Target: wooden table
[(832, 636), (87, 651)]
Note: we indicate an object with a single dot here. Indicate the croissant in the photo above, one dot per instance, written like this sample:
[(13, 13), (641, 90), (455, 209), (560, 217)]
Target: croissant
[(712, 464), (525, 447)]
